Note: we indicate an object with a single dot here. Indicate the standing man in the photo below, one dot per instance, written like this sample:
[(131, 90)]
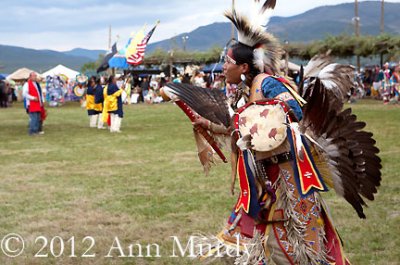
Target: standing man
[(144, 85), (34, 103)]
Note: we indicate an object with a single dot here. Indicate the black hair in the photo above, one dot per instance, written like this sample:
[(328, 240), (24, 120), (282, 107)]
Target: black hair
[(110, 79), (98, 80), (92, 78), (245, 54)]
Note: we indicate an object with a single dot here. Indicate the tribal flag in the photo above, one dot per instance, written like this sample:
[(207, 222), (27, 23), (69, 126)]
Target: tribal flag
[(104, 64), (137, 57), (133, 42)]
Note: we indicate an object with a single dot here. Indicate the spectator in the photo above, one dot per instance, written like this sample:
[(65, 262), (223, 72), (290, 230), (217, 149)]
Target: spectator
[(395, 81), (386, 83), (367, 81), (32, 93), (144, 86), (198, 79), (186, 79), (178, 79), (3, 94), (135, 95), (128, 90), (377, 77)]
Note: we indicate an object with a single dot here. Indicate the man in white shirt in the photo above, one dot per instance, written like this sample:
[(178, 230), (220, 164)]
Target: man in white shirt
[(32, 93)]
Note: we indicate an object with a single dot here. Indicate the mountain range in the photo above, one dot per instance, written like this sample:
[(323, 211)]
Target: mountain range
[(312, 25), (13, 58)]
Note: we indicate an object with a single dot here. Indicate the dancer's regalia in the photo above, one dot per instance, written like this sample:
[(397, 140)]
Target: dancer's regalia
[(80, 89), (286, 150)]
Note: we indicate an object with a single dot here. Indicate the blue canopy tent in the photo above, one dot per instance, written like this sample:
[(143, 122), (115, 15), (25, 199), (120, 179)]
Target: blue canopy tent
[(118, 61)]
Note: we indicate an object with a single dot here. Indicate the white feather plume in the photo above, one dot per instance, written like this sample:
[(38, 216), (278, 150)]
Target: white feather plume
[(338, 78), (259, 18), (316, 64), (251, 27), (259, 59)]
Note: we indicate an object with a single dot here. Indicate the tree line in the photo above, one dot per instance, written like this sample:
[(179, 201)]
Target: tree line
[(342, 46)]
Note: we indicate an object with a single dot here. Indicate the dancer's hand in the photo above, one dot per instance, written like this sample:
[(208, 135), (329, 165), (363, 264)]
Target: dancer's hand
[(202, 122)]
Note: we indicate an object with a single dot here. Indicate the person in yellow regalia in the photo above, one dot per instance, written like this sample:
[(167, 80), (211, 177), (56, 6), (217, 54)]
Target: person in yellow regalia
[(90, 103), (114, 104)]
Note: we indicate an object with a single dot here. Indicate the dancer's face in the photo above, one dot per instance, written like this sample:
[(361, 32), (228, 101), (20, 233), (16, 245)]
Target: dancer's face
[(233, 70)]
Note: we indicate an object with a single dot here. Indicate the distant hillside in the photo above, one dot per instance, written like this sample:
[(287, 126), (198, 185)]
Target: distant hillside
[(199, 39), (91, 54), (312, 25), (12, 58), (334, 20)]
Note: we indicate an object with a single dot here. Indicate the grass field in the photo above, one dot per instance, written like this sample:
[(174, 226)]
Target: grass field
[(146, 185)]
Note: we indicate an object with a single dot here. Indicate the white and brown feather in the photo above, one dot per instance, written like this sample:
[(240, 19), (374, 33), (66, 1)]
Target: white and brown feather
[(348, 150), (209, 103), (252, 32)]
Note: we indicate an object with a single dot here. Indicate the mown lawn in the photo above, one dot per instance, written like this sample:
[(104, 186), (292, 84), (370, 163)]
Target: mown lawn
[(145, 185)]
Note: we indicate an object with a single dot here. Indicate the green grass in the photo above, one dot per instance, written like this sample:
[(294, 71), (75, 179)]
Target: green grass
[(145, 185)]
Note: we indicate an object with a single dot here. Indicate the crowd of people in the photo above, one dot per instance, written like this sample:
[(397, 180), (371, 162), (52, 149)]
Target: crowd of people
[(104, 97), (381, 83)]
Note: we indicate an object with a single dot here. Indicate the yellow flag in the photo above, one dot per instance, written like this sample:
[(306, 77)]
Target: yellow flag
[(136, 39)]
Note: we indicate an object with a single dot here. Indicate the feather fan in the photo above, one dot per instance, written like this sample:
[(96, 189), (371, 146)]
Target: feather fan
[(209, 103)]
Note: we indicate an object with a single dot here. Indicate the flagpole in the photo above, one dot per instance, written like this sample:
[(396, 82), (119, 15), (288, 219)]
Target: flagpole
[(382, 29), (382, 16), (109, 38), (357, 30)]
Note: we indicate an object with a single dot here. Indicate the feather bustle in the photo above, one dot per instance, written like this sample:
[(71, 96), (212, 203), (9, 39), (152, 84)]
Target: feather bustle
[(349, 151)]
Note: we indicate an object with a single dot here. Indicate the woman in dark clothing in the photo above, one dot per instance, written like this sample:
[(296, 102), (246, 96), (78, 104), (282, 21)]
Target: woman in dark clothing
[(115, 104)]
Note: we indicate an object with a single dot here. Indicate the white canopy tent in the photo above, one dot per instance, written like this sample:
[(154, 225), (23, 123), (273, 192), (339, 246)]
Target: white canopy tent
[(61, 70), (21, 74)]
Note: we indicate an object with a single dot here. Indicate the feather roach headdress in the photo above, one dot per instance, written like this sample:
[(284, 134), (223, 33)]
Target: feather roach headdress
[(252, 33)]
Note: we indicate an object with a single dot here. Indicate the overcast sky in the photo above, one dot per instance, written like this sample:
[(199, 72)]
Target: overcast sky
[(66, 24)]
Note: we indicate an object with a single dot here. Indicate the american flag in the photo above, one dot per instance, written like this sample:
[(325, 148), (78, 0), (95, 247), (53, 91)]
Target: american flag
[(138, 56)]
